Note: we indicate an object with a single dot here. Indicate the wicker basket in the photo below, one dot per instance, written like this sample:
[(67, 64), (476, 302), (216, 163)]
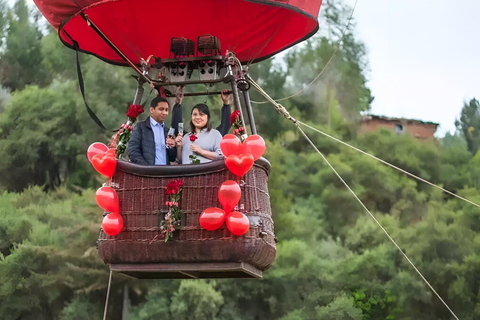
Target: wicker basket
[(140, 251)]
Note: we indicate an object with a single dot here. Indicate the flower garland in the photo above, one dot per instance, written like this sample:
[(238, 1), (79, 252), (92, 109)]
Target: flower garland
[(236, 122), (172, 219), (193, 159), (122, 136)]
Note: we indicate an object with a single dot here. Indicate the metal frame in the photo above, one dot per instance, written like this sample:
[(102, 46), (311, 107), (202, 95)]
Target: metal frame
[(230, 63), (213, 270)]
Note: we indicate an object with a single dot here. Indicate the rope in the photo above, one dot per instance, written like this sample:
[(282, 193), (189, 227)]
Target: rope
[(284, 112), (281, 109), (286, 115), (108, 294), (377, 222), (326, 65), (390, 165)]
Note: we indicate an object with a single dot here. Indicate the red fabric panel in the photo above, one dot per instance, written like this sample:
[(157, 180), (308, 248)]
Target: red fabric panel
[(252, 29)]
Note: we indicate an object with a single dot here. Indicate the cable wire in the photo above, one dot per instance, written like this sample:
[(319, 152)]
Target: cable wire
[(390, 165), (376, 221), (286, 114), (108, 295)]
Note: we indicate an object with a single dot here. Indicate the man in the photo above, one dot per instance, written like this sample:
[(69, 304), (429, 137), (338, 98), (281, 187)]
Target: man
[(148, 142)]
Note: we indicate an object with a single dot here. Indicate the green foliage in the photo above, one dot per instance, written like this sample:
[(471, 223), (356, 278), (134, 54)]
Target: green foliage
[(41, 136), (49, 267), (333, 262), (80, 308), (20, 62), (184, 300), (376, 307), (469, 124)]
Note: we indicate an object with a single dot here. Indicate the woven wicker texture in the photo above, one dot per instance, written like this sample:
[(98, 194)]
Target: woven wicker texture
[(142, 206)]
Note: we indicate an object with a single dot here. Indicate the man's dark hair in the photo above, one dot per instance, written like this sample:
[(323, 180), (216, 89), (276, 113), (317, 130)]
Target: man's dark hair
[(156, 101), (203, 108)]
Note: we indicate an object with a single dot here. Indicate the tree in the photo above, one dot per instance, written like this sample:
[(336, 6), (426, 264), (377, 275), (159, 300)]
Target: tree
[(469, 124), (21, 63)]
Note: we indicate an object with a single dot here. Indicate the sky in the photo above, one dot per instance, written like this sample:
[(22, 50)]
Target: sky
[(424, 57)]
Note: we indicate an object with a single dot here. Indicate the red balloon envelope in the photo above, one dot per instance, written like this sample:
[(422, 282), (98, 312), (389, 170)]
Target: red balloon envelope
[(255, 145), (229, 194), (239, 165), (238, 223), (254, 29), (96, 148), (212, 218), (230, 144), (107, 199), (112, 224), (105, 165)]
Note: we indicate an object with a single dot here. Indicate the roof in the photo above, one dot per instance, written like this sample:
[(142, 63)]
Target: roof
[(370, 117)]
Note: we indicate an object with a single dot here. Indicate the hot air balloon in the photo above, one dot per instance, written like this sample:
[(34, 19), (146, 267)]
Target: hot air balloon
[(183, 42)]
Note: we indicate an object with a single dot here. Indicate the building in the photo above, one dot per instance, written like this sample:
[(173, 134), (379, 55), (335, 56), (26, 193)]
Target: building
[(421, 130)]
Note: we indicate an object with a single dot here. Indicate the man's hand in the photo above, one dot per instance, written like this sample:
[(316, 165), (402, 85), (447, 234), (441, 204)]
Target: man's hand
[(170, 142), (226, 96), (179, 139), (179, 95)]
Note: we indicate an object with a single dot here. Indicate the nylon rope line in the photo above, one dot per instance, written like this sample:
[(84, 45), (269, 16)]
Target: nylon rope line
[(326, 65), (377, 222), (391, 165), (281, 109), (108, 295), (285, 113)]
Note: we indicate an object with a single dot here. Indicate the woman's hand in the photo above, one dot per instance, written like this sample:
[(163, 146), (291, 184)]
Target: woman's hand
[(179, 139), (196, 149)]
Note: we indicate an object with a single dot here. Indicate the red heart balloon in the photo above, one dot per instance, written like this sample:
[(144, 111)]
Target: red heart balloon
[(238, 223), (96, 148), (112, 224), (107, 199), (105, 164), (255, 145), (229, 194), (212, 218), (239, 165), (230, 144)]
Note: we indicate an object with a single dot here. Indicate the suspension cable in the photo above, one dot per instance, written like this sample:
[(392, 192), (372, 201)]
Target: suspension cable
[(286, 114), (376, 221), (108, 295), (297, 123), (391, 165)]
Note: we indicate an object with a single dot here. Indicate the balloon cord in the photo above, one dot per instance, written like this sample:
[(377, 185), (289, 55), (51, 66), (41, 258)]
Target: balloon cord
[(108, 294)]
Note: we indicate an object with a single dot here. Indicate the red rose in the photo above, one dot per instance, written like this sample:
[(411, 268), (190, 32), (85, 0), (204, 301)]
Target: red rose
[(234, 116), (134, 111), (241, 129), (193, 138), (173, 186)]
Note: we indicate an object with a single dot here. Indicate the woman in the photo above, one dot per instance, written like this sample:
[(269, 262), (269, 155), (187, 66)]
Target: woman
[(202, 143)]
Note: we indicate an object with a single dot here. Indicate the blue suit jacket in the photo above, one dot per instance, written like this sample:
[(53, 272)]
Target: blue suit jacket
[(141, 147)]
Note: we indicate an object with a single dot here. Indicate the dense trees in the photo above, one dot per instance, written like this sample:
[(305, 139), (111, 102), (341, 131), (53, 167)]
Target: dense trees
[(333, 262)]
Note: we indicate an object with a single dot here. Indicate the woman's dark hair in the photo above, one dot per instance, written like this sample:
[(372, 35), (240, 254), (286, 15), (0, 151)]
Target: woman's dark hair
[(202, 108)]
